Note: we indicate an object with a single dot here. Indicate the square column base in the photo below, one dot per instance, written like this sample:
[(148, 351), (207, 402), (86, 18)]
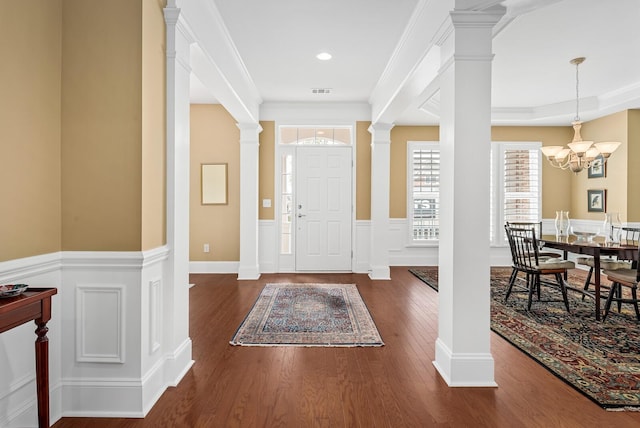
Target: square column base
[(380, 272), (248, 273), (464, 369)]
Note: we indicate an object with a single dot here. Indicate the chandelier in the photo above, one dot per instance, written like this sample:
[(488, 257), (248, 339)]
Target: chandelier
[(579, 154)]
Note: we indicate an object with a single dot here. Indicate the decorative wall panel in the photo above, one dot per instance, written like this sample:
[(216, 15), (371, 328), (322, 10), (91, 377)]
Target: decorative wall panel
[(100, 323)]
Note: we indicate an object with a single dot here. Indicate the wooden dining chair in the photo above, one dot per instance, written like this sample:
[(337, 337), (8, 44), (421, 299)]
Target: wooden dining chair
[(625, 278), (526, 259), (622, 279), (628, 236), (537, 227)]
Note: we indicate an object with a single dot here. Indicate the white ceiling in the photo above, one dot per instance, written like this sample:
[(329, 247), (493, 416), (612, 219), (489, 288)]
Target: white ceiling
[(533, 81)]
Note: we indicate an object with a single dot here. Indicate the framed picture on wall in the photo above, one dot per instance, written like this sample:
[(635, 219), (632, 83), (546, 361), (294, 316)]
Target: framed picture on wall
[(597, 168), (596, 200), (214, 184)]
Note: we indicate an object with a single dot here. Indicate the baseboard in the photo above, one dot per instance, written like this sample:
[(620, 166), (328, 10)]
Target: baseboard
[(166, 373), (102, 398), (213, 267), (125, 398), (178, 363)]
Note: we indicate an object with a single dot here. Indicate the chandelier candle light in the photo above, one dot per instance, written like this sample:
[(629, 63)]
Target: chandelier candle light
[(580, 154)]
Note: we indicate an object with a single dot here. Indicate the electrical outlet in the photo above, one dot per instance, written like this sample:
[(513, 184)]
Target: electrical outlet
[(206, 248)]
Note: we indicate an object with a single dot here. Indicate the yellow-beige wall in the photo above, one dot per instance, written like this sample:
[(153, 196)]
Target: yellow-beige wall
[(608, 128), (633, 171), (215, 138), (266, 169), (113, 125), (153, 125), (83, 120), (101, 125), (363, 171), (30, 128)]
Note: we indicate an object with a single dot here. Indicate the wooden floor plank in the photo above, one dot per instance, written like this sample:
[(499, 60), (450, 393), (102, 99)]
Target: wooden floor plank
[(392, 386)]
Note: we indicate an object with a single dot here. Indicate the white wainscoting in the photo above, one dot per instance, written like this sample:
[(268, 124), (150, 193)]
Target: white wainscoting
[(107, 352), (268, 246), (362, 247), (401, 251)]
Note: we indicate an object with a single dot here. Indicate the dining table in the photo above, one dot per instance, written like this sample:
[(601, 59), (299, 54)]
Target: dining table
[(595, 247)]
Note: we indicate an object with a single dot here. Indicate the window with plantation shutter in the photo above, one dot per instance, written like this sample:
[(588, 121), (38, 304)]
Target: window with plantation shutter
[(424, 190), (516, 169), (515, 192), (521, 185)]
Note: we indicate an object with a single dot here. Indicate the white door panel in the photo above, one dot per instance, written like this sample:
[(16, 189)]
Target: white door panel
[(324, 200)]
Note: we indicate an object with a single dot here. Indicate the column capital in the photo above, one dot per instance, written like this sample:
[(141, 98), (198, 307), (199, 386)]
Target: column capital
[(380, 127), (249, 132), (381, 132), (249, 127), (171, 15)]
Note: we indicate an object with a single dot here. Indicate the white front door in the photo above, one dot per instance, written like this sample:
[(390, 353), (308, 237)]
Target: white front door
[(323, 208)]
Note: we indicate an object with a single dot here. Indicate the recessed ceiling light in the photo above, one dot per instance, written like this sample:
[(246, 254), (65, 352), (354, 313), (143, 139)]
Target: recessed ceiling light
[(324, 56)]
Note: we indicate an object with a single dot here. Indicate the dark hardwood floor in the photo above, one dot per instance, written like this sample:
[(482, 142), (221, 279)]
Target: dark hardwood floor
[(392, 386)]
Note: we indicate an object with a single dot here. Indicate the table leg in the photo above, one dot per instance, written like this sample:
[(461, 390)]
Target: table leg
[(42, 373), (596, 271)]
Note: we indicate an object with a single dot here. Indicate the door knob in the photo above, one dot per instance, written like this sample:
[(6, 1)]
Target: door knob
[(301, 215)]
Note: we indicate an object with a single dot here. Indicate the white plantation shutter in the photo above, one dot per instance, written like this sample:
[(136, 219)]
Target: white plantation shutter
[(424, 190), (515, 186), (521, 185)]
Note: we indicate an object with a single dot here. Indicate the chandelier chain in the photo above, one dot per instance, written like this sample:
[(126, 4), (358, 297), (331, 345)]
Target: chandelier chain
[(577, 118)]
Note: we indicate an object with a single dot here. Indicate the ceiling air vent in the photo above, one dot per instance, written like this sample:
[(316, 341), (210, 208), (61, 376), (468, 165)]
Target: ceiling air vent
[(321, 91)]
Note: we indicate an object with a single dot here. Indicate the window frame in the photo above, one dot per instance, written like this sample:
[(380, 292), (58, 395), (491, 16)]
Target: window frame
[(412, 146), (498, 237)]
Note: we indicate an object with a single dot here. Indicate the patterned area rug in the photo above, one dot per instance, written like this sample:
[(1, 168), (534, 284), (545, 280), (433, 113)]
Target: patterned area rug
[(308, 315), (599, 359)]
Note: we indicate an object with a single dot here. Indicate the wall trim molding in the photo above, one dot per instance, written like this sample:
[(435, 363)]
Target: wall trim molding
[(214, 267), (12, 270), (114, 259)]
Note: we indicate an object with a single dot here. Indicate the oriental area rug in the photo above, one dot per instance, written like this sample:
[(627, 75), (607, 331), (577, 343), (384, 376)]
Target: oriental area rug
[(308, 315), (599, 359)]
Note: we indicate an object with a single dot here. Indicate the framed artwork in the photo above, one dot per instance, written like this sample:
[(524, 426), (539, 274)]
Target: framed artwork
[(214, 183), (597, 168), (596, 201)]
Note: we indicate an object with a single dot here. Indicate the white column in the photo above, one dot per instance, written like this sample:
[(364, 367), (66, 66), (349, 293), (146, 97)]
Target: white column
[(380, 170), (176, 284), (249, 143), (463, 356)]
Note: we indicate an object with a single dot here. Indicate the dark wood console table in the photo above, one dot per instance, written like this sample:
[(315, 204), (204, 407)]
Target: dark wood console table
[(33, 304)]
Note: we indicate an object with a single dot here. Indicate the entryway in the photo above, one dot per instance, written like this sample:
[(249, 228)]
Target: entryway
[(316, 210)]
